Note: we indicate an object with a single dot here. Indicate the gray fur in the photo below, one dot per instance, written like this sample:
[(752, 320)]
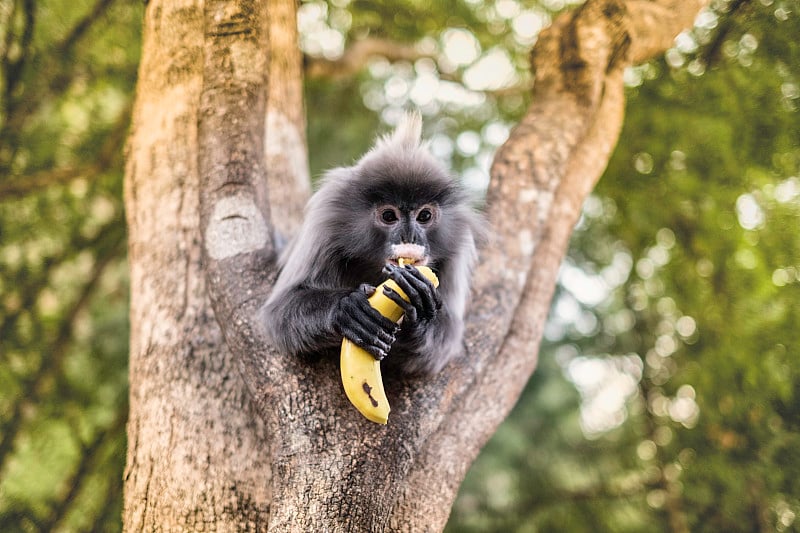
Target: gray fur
[(338, 234)]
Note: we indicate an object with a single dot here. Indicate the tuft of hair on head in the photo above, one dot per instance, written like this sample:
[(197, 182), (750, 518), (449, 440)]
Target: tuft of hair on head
[(407, 135)]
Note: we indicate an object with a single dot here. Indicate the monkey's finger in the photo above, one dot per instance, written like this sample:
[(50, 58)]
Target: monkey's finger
[(419, 295), (409, 311), (389, 270), (427, 287), (356, 308), (421, 278), (363, 338), (420, 292), (372, 332), (400, 277), (373, 320), (367, 289), (392, 271), (393, 295)]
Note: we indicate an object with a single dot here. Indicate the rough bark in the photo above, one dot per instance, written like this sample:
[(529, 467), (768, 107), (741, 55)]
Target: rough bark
[(198, 454), (232, 435)]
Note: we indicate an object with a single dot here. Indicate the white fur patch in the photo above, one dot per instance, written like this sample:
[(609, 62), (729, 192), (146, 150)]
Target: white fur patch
[(236, 227), (415, 252)]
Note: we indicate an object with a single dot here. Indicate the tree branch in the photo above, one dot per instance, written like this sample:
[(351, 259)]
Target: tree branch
[(12, 68), (20, 186), (107, 514), (82, 26), (86, 466), (655, 24)]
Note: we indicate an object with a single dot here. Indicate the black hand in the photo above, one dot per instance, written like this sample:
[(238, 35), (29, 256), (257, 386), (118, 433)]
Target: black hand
[(355, 319), (424, 301)]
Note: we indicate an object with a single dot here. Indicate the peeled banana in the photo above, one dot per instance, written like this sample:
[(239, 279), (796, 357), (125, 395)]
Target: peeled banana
[(361, 372)]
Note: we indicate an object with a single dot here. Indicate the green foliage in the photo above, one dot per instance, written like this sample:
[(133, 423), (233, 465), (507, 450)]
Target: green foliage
[(702, 200), (66, 84), (666, 396)]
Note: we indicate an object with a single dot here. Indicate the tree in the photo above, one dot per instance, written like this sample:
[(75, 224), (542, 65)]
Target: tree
[(223, 431)]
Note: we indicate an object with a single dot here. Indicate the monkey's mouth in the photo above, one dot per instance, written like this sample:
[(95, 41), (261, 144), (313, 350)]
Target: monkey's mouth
[(412, 254)]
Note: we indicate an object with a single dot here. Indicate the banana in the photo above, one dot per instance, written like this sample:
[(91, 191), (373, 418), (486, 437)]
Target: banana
[(361, 372)]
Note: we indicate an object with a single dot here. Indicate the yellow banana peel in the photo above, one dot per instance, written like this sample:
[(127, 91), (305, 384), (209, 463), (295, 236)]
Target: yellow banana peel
[(361, 372)]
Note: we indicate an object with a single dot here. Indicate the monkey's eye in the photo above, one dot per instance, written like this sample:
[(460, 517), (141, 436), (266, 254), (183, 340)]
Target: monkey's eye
[(388, 216), (424, 216)]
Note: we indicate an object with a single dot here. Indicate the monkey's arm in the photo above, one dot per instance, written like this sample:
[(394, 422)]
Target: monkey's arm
[(305, 319)]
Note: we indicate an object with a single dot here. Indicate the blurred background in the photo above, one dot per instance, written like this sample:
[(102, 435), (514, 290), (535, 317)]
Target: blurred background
[(668, 391)]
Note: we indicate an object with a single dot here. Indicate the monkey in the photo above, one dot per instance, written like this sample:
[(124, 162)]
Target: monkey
[(397, 201)]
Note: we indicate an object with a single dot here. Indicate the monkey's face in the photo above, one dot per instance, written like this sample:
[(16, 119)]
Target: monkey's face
[(406, 206), (406, 231)]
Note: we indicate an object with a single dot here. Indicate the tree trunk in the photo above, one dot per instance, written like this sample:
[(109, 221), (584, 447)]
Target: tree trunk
[(230, 435), (198, 453)]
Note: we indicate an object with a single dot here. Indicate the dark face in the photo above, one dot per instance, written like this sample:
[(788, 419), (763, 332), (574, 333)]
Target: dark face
[(407, 200), (396, 208), (406, 228)]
